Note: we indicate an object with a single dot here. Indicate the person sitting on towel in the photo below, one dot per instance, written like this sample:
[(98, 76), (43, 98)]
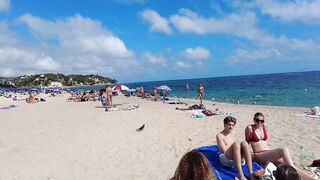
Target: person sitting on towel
[(31, 99), (232, 151)]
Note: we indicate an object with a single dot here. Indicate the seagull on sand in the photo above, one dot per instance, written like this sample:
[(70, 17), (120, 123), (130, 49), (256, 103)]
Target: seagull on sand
[(140, 128)]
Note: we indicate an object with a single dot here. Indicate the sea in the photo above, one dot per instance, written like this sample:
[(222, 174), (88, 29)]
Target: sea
[(294, 89)]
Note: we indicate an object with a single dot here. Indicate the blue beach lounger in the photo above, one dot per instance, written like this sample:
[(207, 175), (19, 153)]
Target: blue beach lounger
[(221, 172)]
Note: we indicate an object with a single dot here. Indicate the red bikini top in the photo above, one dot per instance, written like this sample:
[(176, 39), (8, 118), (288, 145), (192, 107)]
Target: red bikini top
[(254, 137)]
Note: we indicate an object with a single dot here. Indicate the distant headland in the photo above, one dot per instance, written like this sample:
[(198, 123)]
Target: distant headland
[(58, 79)]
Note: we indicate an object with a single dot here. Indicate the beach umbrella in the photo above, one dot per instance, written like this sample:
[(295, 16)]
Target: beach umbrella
[(121, 88), (56, 88), (78, 91), (34, 89), (164, 88)]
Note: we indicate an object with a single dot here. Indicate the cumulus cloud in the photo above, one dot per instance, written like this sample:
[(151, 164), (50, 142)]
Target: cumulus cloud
[(307, 11), (264, 45), (183, 65), (282, 49), (154, 59), (81, 45), (248, 56), (241, 25), (18, 61), (158, 23), (196, 53), (79, 33), (4, 5)]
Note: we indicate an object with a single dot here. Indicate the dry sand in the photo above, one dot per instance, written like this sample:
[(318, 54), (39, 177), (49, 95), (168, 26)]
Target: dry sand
[(67, 140)]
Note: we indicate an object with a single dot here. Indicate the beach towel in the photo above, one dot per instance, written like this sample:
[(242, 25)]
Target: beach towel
[(124, 108), (226, 113), (221, 172), (308, 114), (7, 107)]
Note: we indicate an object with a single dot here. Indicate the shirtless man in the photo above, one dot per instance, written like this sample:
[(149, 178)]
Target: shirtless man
[(200, 92), (232, 151)]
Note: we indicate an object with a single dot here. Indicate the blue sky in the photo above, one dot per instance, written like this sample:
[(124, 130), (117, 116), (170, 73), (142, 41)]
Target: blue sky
[(146, 40)]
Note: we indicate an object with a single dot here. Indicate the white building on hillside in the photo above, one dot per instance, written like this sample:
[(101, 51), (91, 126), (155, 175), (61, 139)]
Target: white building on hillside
[(55, 84)]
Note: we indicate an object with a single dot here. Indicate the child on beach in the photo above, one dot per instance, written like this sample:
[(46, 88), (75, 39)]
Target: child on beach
[(232, 151)]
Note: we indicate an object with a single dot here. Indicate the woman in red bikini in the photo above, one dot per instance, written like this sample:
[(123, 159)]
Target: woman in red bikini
[(257, 136)]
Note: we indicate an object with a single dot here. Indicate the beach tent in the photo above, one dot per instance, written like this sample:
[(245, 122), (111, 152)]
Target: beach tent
[(132, 90), (34, 89), (121, 88), (56, 88), (164, 88)]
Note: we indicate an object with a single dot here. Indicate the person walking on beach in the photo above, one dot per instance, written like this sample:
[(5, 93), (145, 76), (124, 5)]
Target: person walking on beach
[(231, 151), (200, 92), (187, 89), (155, 93), (109, 95)]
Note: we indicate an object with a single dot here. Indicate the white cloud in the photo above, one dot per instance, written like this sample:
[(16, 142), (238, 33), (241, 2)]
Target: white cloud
[(4, 5), (18, 61), (282, 49), (158, 23), (249, 56), (196, 53), (242, 25), (79, 33), (154, 59), (265, 46), (307, 11), (183, 65), (81, 45)]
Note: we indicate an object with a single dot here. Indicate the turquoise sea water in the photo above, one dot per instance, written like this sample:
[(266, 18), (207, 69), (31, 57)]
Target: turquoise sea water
[(301, 89)]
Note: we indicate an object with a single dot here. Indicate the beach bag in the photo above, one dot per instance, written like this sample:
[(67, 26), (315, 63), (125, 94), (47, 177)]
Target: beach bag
[(316, 163), (196, 106), (267, 173), (207, 112)]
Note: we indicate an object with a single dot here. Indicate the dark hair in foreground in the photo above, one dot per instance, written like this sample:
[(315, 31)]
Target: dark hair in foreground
[(286, 172), (229, 119), (193, 166), (256, 115)]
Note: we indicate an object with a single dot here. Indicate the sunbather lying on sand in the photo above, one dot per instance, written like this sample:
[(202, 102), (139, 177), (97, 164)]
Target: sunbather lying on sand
[(193, 107)]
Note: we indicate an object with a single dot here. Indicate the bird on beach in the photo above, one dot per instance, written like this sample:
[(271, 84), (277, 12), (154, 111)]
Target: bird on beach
[(140, 128)]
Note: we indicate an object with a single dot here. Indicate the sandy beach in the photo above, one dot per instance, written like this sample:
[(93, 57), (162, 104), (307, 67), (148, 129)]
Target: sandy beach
[(58, 140)]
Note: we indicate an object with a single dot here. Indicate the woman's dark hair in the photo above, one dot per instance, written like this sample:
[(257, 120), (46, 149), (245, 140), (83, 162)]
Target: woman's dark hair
[(256, 115), (229, 119), (286, 172), (193, 166)]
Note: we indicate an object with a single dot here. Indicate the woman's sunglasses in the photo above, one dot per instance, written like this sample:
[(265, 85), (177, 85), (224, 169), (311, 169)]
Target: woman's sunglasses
[(258, 120)]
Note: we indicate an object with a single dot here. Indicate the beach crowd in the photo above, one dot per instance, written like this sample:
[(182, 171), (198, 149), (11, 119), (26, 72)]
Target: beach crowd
[(253, 152)]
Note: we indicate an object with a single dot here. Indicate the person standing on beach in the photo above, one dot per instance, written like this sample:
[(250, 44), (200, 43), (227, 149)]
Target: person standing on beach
[(231, 151), (109, 95), (187, 89), (200, 92), (155, 93)]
